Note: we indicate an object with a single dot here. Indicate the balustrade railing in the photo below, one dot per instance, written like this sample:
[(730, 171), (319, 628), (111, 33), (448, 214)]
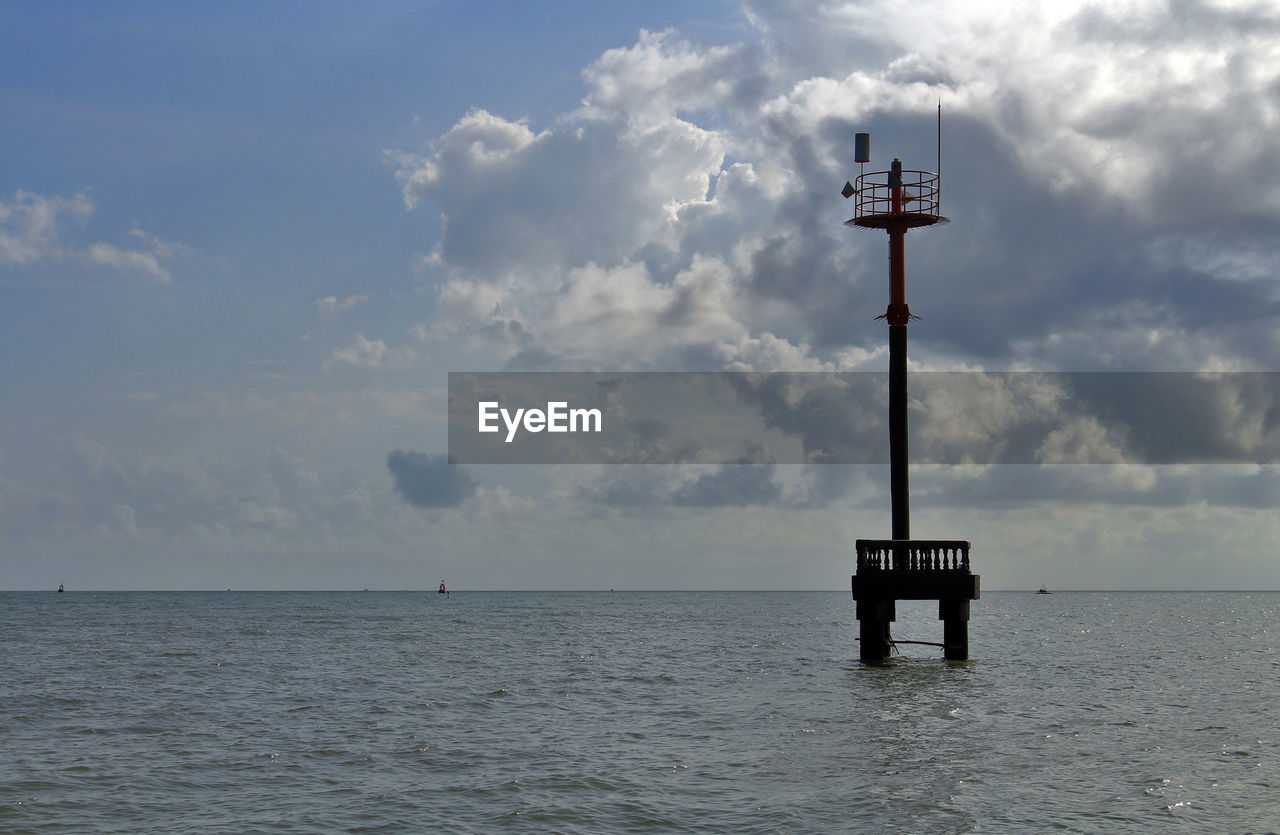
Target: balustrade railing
[(913, 555)]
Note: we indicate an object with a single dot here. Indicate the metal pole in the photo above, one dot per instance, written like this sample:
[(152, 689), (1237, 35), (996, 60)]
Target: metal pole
[(898, 315), (897, 276), (898, 490)]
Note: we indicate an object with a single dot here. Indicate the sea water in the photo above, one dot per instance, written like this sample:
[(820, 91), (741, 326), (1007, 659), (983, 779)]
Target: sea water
[(645, 712)]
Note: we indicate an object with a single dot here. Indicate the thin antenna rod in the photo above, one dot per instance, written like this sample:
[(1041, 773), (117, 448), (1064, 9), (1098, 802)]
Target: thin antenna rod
[(939, 172)]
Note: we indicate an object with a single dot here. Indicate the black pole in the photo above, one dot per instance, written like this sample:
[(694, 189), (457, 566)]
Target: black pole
[(898, 491)]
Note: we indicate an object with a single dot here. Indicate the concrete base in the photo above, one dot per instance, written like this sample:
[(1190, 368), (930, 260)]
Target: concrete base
[(927, 569)]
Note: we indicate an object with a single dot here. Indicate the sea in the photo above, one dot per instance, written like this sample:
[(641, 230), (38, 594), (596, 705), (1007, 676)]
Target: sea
[(593, 712)]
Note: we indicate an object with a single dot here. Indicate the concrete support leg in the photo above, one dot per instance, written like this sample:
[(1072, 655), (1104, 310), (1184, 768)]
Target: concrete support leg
[(954, 615), (874, 618)]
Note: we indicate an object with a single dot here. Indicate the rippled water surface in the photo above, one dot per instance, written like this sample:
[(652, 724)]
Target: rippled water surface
[(590, 712)]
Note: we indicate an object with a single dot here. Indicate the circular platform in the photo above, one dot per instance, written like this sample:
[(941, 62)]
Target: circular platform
[(907, 220)]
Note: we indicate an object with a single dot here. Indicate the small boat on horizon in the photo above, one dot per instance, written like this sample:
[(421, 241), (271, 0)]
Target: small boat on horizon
[(1043, 590)]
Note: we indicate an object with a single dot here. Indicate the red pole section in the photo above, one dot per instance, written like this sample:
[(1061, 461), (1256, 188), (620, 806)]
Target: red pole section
[(897, 271), (898, 312)]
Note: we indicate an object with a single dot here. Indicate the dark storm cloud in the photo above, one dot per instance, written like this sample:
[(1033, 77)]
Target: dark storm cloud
[(1010, 266), (1016, 262), (429, 480), (1020, 261)]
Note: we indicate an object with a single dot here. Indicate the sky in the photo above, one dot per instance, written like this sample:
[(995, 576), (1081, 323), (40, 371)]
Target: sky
[(242, 246)]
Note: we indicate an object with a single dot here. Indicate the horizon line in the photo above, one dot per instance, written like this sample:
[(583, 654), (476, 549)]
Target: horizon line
[(434, 590)]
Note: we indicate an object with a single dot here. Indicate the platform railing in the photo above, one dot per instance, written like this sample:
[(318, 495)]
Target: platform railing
[(920, 194), (913, 555)]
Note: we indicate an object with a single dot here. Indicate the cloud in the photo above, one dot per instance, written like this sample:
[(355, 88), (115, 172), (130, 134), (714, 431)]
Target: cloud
[(285, 501), (330, 306), (1109, 184), (145, 261), (631, 487), (600, 191), (1181, 418), (1111, 179), (731, 485), (129, 260), (1068, 88), (295, 482), (30, 225), (748, 482), (429, 480), (686, 214), (646, 489), (644, 84), (137, 493), (369, 353)]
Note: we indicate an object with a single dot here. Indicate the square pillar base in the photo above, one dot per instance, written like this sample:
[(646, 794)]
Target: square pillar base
[(954, 615)]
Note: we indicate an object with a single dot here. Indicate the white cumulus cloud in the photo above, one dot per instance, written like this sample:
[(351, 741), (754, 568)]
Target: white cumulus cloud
[(686, 213)]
